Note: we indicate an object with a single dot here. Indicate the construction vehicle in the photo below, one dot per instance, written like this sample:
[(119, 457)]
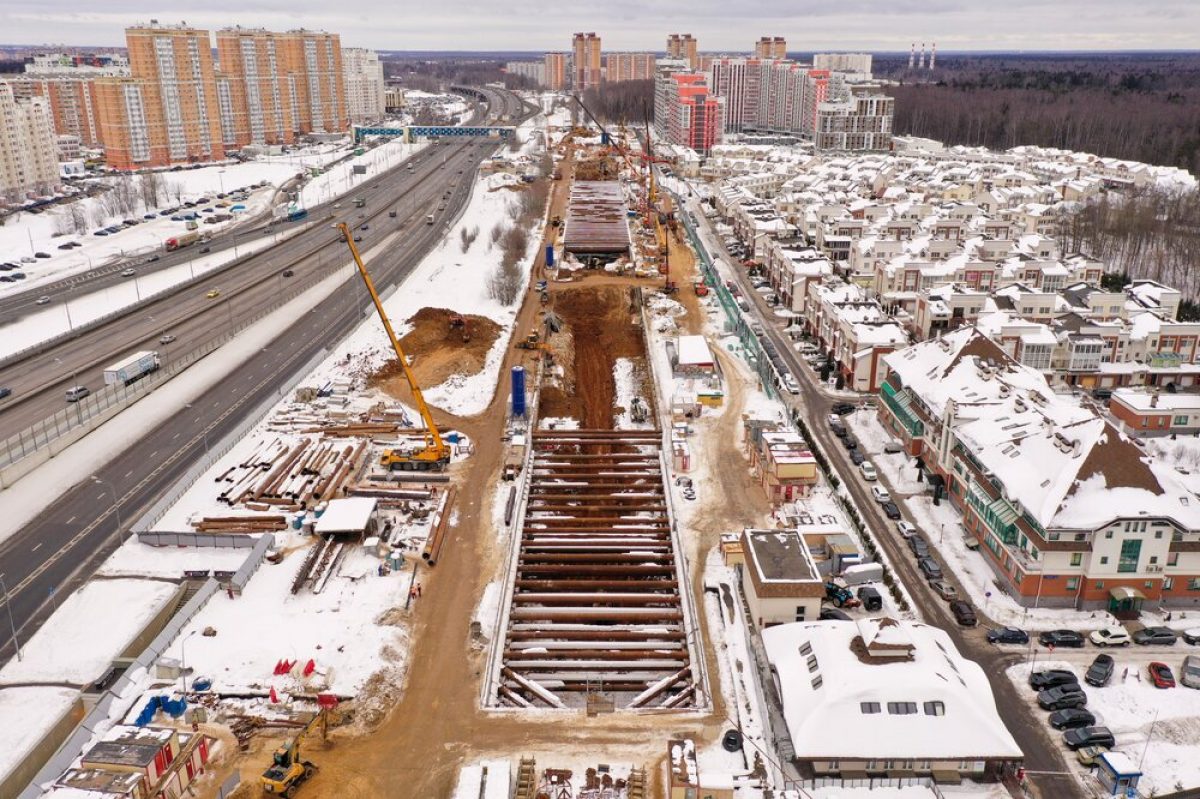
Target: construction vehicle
[(531, 342), (457, 320), (701, 288), (436, 453), (289, 770), (840, 595)]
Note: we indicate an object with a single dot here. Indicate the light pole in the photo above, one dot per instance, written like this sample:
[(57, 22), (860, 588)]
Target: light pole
[(183, 659), (116, 500), (11, 625)]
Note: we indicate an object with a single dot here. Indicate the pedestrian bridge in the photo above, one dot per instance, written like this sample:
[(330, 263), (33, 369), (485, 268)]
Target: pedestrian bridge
[(412, 132)]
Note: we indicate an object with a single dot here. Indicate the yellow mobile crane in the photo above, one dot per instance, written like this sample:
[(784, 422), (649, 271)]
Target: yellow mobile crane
[(289, 770), (436, 452)]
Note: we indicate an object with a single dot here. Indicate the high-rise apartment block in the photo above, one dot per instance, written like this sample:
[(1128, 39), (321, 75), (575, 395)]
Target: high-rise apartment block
[(683, 46), (555, 74), (28, 147), (693, 116), (663, 88), (843, 62), (586, 66), (255, 100), (534, 70), (312, 62), (72, 102), (628, 66), (771, 47), (362, 72)]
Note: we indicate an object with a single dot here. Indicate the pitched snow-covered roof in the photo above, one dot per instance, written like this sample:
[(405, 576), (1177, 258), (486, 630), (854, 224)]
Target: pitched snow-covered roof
[(827, 671)]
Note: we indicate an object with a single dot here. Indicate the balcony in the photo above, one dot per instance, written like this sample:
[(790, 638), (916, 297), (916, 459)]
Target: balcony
[(996, 514), (898, 404)]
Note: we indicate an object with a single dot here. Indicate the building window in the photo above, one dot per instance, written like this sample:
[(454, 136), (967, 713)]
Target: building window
[(902, 708), (1173, 559), (801, 611), (1131, 551), (1103, 560), (1099, 585), (1153, 559), (1194, 584), (1076, 558), (868, 708), (1168, 583), (1179, 420), (1072, 583), (1109, 533), (935, 708)]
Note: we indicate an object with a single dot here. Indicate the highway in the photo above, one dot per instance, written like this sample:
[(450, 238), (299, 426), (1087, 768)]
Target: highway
[(1042, 758), (53, 555), (38, 382)]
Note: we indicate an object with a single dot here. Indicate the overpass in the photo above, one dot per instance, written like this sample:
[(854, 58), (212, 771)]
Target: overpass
[(412, 132)]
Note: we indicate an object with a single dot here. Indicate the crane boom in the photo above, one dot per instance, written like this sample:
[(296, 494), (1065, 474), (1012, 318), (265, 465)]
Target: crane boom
[(436, 451)]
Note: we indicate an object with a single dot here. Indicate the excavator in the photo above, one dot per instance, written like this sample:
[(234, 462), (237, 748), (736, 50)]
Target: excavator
[(435, 455), (289, 770)]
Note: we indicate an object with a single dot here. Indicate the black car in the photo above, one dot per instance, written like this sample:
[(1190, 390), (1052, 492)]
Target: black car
[(1007, 635), (41, 255), (1155, 635), (919, 546), (1061, 638), (1100, 672), (288, 273), (833, 614), (842, 408), (5, 391), (205, 249), (890, 510), (849, 442), (930, 568), (1089, 736), (856, 457), (1052, 678), (839, 430), (1071, 718), (964, 614), (1062, 696)]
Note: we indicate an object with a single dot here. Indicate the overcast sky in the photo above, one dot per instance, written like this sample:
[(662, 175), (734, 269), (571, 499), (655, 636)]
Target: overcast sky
[(719, 25)]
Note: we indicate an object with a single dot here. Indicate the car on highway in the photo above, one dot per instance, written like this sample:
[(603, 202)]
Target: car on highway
[(43, 300), (964, 614), (1052, 678), (930, 568), (868, 471), (906, 529), (1192, 635), (165, 338), (1007, 635), (1189, 672), (288, 272), (76, 393), (1160, 636), (364, 226), (153, 258), (880, 494), (1071, 718), (944, 589), (213, 294), (128, 272), (1160, 675), (1061, 638), (205, 249), (5, 391), (358, 238), (890, 510), (1101, 671), (1089, 736), (1110, 636)]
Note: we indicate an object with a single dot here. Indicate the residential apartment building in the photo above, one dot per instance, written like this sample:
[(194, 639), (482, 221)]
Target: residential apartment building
[(682, 46), (863, 122), (125, 120), (693, 116), (28, 147), (72, 102), (534, 70), (254, 95), (628, 66), (843, 62), (771, 47), (312, 64), (1068, 509), (855, 330), (587, 61), (78, 64), (556, 74), (363, 74), (664, 86)]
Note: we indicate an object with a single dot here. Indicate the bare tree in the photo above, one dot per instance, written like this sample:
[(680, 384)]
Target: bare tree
[(154, 189), (467, 237)]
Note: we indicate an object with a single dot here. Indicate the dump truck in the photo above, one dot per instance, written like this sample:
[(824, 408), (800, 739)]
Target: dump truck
[(134, 367)]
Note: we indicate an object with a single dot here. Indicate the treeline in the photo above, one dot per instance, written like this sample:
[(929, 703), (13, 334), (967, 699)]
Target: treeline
[(628, 101), (1137, 108)]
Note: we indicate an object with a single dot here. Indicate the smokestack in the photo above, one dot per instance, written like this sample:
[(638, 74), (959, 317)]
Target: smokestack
[(932, 56), (921, 63), (912, 55)]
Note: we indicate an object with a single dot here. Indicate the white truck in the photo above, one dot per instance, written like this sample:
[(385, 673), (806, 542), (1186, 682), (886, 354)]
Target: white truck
[(134, 367)]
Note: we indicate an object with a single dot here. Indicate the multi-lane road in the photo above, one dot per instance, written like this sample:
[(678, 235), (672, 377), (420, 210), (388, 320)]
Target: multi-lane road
[(61, 548)]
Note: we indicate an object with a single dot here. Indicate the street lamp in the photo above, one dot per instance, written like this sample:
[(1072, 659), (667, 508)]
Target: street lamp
[(183, 659), (11, 625), (116, 500)]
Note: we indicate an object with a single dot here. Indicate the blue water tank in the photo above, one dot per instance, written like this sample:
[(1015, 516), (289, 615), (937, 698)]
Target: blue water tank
[(549, 255), (518, 391)]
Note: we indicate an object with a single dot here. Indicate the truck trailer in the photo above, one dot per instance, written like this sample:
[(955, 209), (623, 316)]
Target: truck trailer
[(184, 240), (132, 368)]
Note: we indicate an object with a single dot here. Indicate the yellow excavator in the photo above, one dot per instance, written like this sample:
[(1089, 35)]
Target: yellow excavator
[(289, 770), (436, 453)]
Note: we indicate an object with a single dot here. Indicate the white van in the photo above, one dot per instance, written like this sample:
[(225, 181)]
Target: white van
[(76, 393)]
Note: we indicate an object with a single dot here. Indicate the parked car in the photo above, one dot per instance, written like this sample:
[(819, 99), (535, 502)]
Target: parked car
[(1089, 736), (930, 568), (41, 255), (834, 614), (1110, 636), (1192, 636), (1061, 696), (919, 546), (964, 614), (1071, 718), (868, 471), (892, 447), (906, 529), (890, 510), (843, 408), (1008, 635), (881, 494), (1100, 672), (1061, 638), (944, 589), (1087, 755), (1189, 672), (856, 457), (849, 442), (1052, 678), (1160, 675), (791, 385), (1163, 636)]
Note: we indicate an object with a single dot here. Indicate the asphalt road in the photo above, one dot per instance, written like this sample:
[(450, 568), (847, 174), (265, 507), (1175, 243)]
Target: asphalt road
[(56, 553), (39, 382), (1043, 758)]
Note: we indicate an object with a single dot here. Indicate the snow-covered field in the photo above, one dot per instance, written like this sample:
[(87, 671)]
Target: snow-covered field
[(27, 714), (90, 628)]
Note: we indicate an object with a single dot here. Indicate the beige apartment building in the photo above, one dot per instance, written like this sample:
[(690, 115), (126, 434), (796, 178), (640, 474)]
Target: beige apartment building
[(28, 151), (771, 47), (72, 103), (682, 46), (587, 64), (255, 100), (312, 64), (363, 74), (628, 66), (556, 74)]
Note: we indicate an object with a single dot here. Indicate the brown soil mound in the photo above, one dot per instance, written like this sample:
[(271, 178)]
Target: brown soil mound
[(438, 351), (604, 329)]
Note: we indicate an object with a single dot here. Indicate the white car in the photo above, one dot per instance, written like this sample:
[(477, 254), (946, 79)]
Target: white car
[(868, 471), (881, 494), (1111, 636), (906, 529), (43, 300), (791, 385), (128, 272)]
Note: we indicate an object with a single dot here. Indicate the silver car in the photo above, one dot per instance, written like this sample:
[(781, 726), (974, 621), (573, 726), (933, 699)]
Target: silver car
[(1189, 673)]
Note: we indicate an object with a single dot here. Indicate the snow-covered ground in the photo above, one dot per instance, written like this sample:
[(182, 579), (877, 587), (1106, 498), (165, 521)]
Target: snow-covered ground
[(27, 714), (340, 178), (90, 628), (135, 559)]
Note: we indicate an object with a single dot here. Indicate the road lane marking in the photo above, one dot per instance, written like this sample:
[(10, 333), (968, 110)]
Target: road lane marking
[(37, 547), (73, 518)]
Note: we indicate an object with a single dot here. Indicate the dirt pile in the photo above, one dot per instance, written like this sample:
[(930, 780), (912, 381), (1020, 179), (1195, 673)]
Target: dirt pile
[(438, 351)]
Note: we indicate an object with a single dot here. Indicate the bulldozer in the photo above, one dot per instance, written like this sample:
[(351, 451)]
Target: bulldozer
[(531, 342), (289, 770)]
